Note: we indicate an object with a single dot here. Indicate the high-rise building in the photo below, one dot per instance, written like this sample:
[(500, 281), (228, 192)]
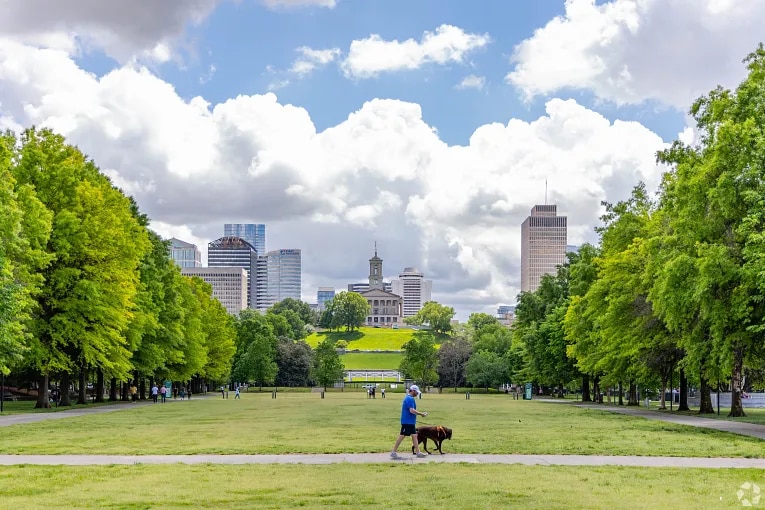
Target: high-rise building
[(185, 254), (543, 245), (284, 275), (253, 233), (414, 288), (229, 285), (235, 252), (323, 295)]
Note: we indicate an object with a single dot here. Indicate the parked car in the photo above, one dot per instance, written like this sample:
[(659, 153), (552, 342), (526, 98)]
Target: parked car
[(7, 395)]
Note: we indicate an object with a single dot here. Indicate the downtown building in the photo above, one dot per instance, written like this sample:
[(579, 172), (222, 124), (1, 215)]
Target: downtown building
[(415, 290), (235, 252), (253, 233), (323, 295), (185, 254), (543, 245), (385, 307), (283, 276), (229, 285)]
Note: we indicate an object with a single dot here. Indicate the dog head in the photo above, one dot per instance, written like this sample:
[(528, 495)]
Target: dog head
[(444, 433)]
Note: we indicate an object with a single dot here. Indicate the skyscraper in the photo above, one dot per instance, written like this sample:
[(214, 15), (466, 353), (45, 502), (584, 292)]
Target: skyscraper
[(253, 233), (185, 254), (414, 288), (234, 251), (229, 285), (543, 245), (323, 295), (284, 275)]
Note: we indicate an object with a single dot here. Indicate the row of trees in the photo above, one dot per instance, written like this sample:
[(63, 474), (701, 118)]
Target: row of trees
[(85, 285), (678, 280)]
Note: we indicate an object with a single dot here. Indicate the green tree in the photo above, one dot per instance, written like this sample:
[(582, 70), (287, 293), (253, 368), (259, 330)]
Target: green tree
[(294, 359), (485, 369), (86, 302), (453, 356), (301, 308), (437, 316), (348, 309), (327, 367), (256, 349), (420, 358)]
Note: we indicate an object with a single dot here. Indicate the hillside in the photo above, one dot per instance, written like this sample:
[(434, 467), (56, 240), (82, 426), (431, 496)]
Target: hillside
[(367, 339)]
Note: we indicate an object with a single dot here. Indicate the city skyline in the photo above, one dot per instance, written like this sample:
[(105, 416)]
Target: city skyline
[(430, 127)]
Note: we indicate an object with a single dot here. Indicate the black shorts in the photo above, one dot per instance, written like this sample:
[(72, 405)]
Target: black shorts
[(408, 429)]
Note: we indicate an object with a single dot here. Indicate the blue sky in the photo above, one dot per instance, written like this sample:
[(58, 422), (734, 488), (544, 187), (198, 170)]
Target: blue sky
[(339, 123)]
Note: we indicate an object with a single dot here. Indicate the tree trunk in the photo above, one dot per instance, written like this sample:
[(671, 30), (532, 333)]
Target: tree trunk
[(113, 390), (621, 394), (142, 388), (43, 402), (663, 399), (99, 385), (633, 400), (705, 406), (125, 391), (82, 397), (596, 389), (586, 388), (736, 406), (683, 406), (65, 396)]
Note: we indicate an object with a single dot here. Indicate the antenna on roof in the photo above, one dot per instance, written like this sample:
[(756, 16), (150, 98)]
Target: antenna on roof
[(375, 248), (545, 191)]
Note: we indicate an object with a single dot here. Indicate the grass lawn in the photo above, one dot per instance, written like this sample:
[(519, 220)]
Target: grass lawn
[(371, 360), (367, 339), (350, 422), (420, 486)]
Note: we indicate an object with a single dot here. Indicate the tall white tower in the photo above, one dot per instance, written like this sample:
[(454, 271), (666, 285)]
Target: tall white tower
[(413, 288), (543, 245)]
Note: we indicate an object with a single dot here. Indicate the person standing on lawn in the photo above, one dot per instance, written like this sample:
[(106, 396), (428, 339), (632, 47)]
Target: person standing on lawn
[(409, 414)]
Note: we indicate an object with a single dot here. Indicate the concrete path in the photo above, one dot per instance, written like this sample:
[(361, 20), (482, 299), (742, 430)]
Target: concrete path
[(384, 458), (735, 427)]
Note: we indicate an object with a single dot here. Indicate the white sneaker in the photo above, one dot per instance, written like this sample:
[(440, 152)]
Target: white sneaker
[(421, 455), (394, 455)]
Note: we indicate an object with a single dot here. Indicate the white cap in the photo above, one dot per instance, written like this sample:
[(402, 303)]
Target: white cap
[(414, 387)]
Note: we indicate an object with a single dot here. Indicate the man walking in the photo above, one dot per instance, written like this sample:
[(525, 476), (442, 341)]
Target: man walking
[(154, 392), (409, 415)]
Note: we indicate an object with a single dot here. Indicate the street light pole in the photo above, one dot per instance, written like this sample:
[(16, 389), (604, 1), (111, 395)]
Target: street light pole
[(2, 389)]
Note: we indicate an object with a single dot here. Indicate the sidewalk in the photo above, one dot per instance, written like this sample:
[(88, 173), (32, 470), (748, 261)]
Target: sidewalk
[(384, 458), (734, 427)]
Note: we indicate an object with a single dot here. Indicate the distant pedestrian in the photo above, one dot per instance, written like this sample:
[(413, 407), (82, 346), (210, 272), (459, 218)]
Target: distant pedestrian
[(223, 392), (382, 392), (182, 392), (154, 392), (133, 393), (163, 393), (373, 392), (189, 392), (236, 394)]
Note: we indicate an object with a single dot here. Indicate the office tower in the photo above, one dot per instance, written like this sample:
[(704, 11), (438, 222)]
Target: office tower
[(229, 285), (323, 295), (543, 245), (185, 254), (234, 252), (253, 233), (414, 288), (503, 310), (284, 276)]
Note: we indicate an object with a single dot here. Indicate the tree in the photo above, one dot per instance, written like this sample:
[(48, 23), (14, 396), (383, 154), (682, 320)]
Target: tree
[(256, 349), (485, 369), (420, 358), (453, 356), (294, 359), (327, 366), (438, 317), (714, 197), (86, 301), (348, 309), (301, 308)]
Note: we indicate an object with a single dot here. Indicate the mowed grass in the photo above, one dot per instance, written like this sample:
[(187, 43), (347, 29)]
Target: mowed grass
[(366, 339), (391, 485), (372, 361), (350, 423)]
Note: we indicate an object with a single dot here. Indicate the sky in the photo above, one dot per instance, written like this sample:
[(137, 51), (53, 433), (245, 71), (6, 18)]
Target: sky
[(430, 127)]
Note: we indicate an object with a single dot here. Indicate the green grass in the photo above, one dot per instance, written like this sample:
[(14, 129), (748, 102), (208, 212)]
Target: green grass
[(371, 360), (348, 422), (753, 415), (367, 339), (412, 487)]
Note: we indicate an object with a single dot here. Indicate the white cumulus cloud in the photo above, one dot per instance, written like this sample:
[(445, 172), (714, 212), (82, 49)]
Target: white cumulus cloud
[(472, 81), (629, 51), (310, 59), (374, 55)]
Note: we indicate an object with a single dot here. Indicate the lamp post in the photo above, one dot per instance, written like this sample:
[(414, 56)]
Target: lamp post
[(2, 389)]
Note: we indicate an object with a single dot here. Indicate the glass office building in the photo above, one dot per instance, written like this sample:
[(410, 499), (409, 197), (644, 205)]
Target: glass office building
[(185, 254), (284, 275), (253, 233), (234, 251)]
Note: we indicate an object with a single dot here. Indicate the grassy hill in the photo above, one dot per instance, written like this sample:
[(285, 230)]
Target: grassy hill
[(367, 339), (371, 360)]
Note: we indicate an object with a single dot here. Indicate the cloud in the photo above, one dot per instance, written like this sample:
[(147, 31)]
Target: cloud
[(144, 29), (310, 59), (472, 81), (208, 75), (288, 4), (630, 51), (369, 57), (382, 174)]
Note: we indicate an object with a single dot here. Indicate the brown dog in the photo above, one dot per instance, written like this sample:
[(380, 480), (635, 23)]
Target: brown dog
[(437, 434)]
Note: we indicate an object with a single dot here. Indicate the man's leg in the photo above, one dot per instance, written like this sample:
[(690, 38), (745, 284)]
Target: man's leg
[(397, 444), (415, 444)]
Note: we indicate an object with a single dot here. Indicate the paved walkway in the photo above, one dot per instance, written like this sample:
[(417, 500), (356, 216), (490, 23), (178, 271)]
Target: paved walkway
[(735, 427), (384, 458)]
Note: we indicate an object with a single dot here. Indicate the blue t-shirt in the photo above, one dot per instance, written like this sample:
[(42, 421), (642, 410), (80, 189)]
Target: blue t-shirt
[(408, 418)]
